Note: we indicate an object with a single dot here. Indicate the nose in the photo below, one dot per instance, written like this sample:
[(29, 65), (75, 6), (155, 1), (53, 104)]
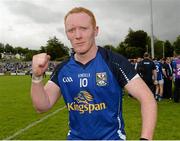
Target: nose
[(78, 34)]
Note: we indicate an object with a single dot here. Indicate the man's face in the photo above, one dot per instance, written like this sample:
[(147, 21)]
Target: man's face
[(167, 60), (80, 32)]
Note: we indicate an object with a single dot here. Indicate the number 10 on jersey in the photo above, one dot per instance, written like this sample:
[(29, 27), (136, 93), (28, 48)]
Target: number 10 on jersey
[(83, 82)]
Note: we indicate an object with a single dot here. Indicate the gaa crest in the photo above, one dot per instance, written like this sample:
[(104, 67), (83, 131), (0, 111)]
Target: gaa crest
[(101, 79)]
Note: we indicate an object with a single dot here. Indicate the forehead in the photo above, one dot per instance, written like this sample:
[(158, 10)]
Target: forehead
[(78, 19)]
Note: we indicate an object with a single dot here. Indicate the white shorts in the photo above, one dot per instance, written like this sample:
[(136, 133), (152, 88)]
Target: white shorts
[(161, 81)]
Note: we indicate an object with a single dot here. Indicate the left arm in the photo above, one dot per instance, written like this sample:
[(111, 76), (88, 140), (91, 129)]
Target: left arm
[(138, 89)]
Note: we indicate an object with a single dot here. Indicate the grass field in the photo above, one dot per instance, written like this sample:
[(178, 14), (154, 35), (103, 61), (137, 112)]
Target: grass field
[(17, 112)]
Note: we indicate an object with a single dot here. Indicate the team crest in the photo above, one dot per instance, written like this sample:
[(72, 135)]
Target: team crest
[(101, 79)]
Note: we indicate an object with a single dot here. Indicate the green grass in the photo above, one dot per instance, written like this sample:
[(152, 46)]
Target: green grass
[(17, 112), (168, 122)]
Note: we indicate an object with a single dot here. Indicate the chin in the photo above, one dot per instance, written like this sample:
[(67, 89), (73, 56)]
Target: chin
[(80, 50)]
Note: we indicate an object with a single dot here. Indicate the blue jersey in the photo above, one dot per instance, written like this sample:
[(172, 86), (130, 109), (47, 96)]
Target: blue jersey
[(159, 70), (93, 95)]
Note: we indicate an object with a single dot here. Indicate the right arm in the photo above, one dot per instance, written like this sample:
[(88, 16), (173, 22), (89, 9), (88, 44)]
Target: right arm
[(43, 97)]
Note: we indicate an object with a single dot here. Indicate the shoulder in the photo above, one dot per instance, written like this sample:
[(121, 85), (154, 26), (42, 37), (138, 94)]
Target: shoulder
[(108, 55)]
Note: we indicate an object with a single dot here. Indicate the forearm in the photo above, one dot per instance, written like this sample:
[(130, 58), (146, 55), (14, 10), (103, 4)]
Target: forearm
[(39, 97), (149, 113)]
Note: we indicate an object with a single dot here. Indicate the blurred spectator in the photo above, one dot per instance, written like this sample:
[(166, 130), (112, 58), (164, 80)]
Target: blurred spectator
[(177, 79), (160, 80), (168, 79), (21, 67), (147, 70)]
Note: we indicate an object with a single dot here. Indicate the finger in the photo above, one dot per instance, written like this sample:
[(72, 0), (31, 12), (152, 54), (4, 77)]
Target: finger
[(45, 67), (44, 60), (46, 64), (40, 63)]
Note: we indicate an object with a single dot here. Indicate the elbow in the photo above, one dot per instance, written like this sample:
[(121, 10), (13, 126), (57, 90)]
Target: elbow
[(41, 110)]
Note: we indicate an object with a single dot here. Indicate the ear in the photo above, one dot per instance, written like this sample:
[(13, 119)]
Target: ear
[(96, 30)]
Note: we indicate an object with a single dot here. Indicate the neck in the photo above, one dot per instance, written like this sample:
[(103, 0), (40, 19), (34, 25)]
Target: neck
[(86, 57)]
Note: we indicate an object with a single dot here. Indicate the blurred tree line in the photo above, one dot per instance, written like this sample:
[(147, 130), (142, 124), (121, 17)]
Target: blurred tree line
[(138, 42), (133, 46), (57, 50)]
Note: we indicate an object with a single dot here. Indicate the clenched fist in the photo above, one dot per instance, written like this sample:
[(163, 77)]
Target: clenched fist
[(40, 63)]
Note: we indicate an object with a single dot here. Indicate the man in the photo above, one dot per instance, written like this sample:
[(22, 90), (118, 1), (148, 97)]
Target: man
[(138, 60), (176, 70), (91, 83), (167, 78), (147, 70), (160, 81)]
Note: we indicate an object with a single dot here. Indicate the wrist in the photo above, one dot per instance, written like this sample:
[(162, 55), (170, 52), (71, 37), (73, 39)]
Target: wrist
[(37, 79)]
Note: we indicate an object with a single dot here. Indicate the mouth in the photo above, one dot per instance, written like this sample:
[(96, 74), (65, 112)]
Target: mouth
[(79, 43)]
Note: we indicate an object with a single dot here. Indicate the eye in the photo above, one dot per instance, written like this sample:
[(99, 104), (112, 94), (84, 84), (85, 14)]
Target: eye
[(83, 28), (71, 30)]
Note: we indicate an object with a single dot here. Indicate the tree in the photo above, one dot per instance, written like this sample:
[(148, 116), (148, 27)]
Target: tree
[(21, 50), (55, 48), (110, 47), (177, 45), (158, 48), (133, 52), (9, 48), (137, 40), (121, 49), (43, 49), (168, 49), (29, 54), (1, 48)]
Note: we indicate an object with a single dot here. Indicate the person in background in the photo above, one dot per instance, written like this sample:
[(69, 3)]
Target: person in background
[(147, 70), (177, 79), (91, 83), (160, 81), (137, 62), (167, 79)]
